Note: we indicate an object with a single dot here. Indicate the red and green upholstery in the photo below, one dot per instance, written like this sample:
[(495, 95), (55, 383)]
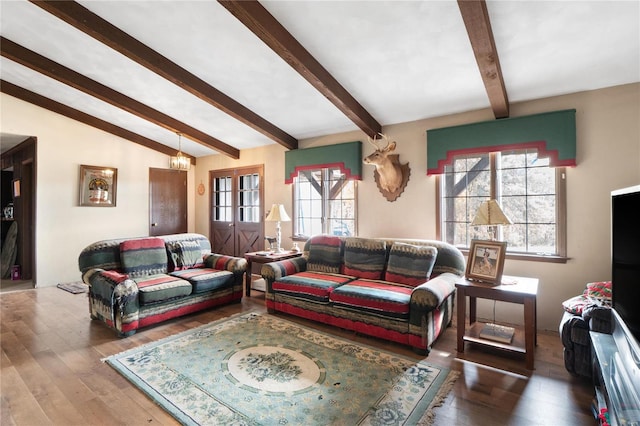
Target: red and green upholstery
[(365, 258), (136, 282), (142, 257), (399, 290), (314, 286), (410, 264), (184, 255), (324, 254), (161, 287), (205, 279), (376, 297)]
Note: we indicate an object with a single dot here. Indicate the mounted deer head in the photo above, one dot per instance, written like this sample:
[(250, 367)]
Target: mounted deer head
[(390, 175)]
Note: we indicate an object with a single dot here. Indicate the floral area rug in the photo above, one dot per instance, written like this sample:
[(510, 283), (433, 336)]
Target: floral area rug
[(254, 369)]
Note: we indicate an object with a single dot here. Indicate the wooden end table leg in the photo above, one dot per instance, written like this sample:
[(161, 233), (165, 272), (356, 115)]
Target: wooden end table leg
[(472, 310), (247, 279), (461, 319), (529, 330)]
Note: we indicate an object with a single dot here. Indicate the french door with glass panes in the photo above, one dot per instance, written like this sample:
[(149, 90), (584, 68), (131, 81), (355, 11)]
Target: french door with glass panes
[(236, 210)]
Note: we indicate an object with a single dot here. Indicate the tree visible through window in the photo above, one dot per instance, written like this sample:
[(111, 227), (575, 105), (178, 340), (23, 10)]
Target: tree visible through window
[(530, 192), (324, 202)]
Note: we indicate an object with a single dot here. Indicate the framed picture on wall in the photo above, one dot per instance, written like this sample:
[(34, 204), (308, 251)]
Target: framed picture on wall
[(98, 186), (486, 261)]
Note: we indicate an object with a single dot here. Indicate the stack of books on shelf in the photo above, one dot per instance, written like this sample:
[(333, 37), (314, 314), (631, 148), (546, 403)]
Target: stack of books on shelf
[(498, 333)]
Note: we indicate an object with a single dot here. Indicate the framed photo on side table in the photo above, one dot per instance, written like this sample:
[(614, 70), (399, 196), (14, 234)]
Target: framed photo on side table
[(98, 186), (486, 261)]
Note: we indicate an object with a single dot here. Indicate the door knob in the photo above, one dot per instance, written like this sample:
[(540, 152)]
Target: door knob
[(154, 224)]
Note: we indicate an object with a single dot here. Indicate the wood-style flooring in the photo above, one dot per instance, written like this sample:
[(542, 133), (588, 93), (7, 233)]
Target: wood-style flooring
[(52, 373)]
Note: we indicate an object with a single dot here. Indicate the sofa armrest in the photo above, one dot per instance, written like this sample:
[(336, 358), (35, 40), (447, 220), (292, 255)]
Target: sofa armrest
[(221, 262), (275, 270), (598, 318), (111, 293), (431, 294)]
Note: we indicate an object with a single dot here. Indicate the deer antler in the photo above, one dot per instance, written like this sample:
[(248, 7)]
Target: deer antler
[(386, 140), (374, 141)]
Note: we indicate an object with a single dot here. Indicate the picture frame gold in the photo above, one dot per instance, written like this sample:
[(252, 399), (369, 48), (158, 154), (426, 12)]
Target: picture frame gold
[(486, 261), (98, 186)]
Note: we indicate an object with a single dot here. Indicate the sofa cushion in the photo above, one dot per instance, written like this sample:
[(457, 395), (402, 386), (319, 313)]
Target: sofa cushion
[(184, 255), (410, 264), (325, 254), (161, 287), (315, 286), (364, 258), (144, 256), (205, 279), (382, 298)]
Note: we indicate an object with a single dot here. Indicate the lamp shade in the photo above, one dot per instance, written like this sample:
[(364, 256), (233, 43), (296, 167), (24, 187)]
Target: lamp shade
[(278, 214), (490, 213)]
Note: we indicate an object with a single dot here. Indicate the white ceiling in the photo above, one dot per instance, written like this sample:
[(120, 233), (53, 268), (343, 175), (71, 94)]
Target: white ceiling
[(401, 60)]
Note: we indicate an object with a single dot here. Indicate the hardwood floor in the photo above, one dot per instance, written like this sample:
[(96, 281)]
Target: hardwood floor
[(52, 373)]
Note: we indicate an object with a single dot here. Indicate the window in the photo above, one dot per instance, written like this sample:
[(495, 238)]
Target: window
[(324, 202), (530, 192)]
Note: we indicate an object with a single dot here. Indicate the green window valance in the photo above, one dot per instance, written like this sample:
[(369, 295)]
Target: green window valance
[(345, 156), (553, 134)]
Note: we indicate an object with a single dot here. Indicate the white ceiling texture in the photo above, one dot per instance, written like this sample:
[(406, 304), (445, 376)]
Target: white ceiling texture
[(400, 60)]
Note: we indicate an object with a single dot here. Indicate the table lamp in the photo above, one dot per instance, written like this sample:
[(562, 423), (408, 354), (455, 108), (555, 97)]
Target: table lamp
[(278, 214), (490, 213)]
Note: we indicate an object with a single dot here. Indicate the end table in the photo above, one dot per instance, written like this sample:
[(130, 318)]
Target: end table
[(264, 257), (513, 290)]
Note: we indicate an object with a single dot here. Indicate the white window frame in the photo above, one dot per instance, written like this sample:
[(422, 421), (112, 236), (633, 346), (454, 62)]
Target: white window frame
[(343, 222)]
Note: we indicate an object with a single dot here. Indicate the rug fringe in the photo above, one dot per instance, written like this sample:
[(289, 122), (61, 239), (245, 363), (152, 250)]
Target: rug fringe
[(438, 400)]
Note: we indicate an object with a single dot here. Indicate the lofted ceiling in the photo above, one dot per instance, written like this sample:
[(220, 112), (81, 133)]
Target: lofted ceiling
[(233, 75)]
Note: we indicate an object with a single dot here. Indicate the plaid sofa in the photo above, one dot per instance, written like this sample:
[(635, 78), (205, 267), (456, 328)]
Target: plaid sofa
[(136, 282), (398, 290)]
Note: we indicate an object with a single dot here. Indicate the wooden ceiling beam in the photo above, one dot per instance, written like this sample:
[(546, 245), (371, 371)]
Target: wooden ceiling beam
[(88, 22), (39, 63), (257, 19), (62, 109), (476, 20)]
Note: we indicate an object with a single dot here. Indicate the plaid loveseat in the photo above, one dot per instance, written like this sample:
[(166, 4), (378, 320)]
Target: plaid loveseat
[(136, 282), (399, 290)]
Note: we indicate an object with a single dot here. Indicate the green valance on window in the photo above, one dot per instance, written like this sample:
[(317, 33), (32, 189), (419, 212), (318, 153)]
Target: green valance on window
[(345, 156), (553, 134)]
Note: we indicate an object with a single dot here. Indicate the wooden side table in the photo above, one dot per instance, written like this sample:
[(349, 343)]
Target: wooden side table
[(513, 290), (264, 257)]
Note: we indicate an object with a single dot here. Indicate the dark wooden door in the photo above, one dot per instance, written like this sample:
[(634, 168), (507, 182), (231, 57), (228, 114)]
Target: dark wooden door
[(237, 210), (167, 201)]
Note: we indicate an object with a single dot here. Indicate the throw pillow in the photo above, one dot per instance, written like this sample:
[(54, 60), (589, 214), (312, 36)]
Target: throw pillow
[(184, 255), (364, 258), (143, 256), (409, 264), (576, 304), (600, 290), (325, 254)]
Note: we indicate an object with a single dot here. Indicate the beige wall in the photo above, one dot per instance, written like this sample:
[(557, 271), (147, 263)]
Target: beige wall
[(63, 228), (608, 132)]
